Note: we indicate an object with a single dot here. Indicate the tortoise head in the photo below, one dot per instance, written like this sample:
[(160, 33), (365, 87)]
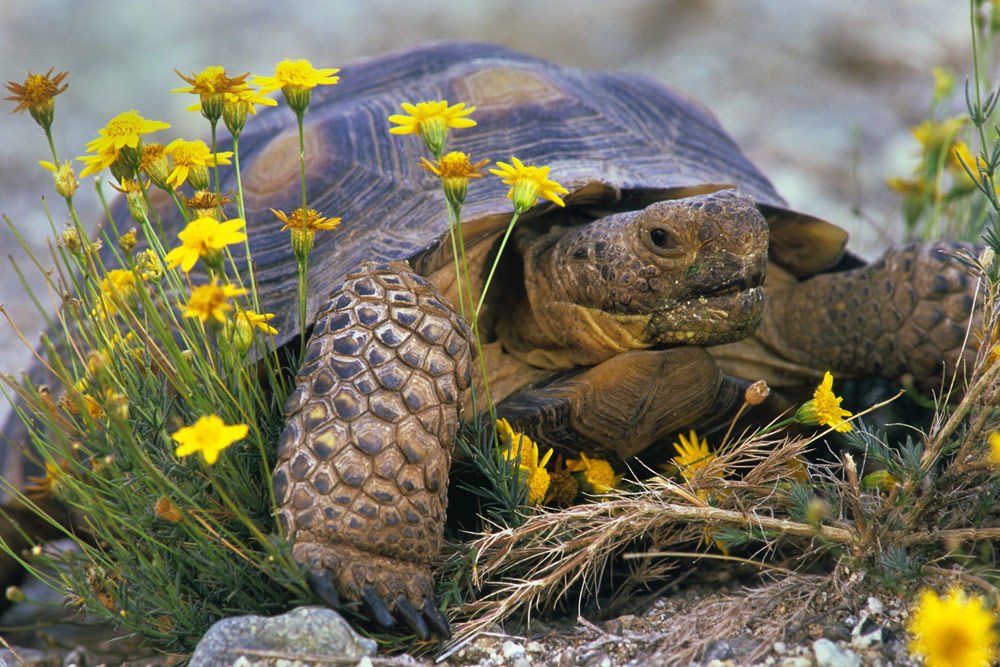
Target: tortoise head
[(686, 271)]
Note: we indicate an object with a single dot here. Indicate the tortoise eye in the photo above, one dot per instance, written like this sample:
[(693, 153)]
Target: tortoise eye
[(663, 241)]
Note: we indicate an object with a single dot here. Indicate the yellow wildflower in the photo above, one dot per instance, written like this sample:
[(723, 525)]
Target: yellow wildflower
[(149, 266), (205, 204), (994, 441), (236, 106), (98, 161), (46, 486), (563, 487), (37, 95), (303, 225), (65, 178), (124, 131), (935, 135), (211, 301), (824, 408), (135, 198), (240, 331), (953, 631), (209, 435), (117, 289), (962, 163), (519, 447), (594, 476), (692, 454), (296, 79), (192, 160), (527, 184), (455, 169), (154, 164), (211, 85), (205, 237), (431, 121)]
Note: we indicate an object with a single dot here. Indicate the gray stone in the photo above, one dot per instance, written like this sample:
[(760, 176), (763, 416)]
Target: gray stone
[(259, 640), (511, 650), (829, 654)]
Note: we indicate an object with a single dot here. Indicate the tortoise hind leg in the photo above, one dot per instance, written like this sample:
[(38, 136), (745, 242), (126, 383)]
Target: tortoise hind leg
[(362, 473)]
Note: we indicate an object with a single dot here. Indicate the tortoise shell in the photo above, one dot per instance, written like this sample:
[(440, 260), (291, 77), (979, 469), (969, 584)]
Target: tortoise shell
[(613, 140)]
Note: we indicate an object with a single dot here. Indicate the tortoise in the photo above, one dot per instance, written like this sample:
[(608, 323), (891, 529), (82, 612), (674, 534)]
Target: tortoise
[(615, 322)]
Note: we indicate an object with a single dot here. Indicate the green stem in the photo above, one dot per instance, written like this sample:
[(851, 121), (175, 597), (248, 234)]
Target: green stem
[(496, 262), (52, 147), (303, 291), (302, 158), (241, 212), (215, 158)]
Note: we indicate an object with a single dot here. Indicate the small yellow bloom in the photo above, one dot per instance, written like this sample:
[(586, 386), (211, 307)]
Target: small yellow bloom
[(527, 184), (192, 159), (211, 301), (117, 290), (962, 163), (455, 169), (204, 238), (135, 198), (154, 164), (47, 485), (944, 82), (994, 442), (431, 120), (149, 266), (240, 331), (296, 79), (824, 408), (519, 447), (124, 131), (692, 454), (205, 204), (65, 178), (37, 95), (934, 135), (303, 225), (236, 106), (595, 476), (209, 435), (957, 630), (211, 85), (97, 162)]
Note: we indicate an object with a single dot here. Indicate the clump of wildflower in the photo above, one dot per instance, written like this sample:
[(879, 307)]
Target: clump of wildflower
[(205, 238), (515, 446), (209, 435), (37, 95), (191, 161), (936, 135), (120, 141), (296, 79), (824, 408), (211, 301), (954, 630), (692, 454), (64, 176), (211, 85), (303, 225), (527, 184), (595, 476), (47, 485), (563, 486), (455, 169), (240, 330), (431, 120), (236, 106)]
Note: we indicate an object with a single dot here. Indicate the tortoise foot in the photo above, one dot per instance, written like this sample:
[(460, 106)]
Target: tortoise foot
[(391, 588)]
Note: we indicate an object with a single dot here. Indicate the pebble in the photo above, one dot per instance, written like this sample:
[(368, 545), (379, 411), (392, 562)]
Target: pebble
[(875, 606), (302, 631), (534, 647), (779, 647), (829, 654), (511, 650), (795, 661), (866, 634)]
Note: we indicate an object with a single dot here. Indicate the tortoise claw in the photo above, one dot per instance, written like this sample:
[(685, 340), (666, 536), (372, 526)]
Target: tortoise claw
[(377, 606), (321, 583), (439, 624), (409, 613)]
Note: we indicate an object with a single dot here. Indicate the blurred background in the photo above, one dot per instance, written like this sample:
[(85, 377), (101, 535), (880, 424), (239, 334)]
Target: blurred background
[(820, 94)]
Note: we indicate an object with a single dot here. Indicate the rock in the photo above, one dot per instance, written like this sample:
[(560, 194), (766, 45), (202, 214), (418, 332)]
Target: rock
[(305, 631), (866, 634), (511, 650), (795, 661), (829, 654), (27, 657), (875, 606)]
